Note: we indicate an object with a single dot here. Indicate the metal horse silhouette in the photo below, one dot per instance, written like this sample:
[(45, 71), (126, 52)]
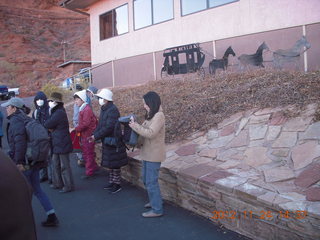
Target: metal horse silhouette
[(253, 59), (221, 63), (282, 56)]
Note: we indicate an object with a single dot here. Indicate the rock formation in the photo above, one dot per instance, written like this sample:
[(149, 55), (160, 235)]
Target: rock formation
[(35, 37)]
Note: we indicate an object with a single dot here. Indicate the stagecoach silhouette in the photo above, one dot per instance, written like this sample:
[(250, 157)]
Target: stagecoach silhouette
[(183, 59)]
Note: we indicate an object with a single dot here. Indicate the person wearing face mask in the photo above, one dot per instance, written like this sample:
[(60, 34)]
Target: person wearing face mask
[(113, 157), (58, 125), (87, 124), (41, 114)]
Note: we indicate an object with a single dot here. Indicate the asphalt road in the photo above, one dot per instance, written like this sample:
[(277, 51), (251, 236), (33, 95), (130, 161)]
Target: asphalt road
[(92, 213)]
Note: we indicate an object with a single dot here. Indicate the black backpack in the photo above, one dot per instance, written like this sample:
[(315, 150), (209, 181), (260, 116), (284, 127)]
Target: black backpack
[(123, 134), (38, 143)]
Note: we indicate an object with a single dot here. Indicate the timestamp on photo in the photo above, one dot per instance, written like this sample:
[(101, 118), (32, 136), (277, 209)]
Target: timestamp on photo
[(263, 214)]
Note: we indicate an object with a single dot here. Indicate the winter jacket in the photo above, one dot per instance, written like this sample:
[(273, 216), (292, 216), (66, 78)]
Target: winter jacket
[(15, 202), (87, 122), (41, 113), (151, 137), (112, 156), (58, 125), (17, 137)]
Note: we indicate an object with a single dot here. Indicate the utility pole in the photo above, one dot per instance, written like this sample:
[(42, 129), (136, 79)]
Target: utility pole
[(64, 45)]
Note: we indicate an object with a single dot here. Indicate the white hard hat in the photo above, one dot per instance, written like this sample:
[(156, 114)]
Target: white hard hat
[(82, 95), (106, 94)]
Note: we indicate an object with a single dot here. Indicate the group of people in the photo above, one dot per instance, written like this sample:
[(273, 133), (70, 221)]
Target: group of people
[(50, 112)]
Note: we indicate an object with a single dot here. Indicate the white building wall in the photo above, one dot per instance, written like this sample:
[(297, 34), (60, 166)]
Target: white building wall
[(234, 19)]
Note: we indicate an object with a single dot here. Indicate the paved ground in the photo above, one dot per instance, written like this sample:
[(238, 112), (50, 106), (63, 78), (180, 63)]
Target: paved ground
[(91, 213)]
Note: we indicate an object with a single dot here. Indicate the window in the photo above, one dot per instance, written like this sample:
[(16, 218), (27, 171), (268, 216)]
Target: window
[(191, 6), (149, 12), (114, 22)]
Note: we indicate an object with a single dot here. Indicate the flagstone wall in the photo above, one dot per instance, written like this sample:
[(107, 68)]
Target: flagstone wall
[(257, 173)]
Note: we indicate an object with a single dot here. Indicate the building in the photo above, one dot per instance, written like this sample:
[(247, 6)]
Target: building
[(128, 37)]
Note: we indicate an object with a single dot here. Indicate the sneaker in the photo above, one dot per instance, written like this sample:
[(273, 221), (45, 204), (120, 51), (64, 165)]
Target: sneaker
[(43, 179), (147, 205), (54, 187), (52, 221), (86, 177), (108, 187), (65, 191), (115, 188), (81, 163), (151, 214)]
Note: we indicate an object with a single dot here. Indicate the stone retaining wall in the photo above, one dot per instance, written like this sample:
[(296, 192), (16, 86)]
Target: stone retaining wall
[(257, 173)]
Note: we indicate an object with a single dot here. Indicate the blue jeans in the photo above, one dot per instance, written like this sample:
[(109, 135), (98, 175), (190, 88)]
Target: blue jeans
[(150, 175), (32, 176)]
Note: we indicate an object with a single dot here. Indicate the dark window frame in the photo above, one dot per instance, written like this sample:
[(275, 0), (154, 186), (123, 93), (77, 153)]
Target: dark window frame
[(112, 11), (152, 20), (207, 7)]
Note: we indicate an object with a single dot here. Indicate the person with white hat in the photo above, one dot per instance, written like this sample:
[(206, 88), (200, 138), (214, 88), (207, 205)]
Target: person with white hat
[(91, 91), (86, 125), (113, 157)]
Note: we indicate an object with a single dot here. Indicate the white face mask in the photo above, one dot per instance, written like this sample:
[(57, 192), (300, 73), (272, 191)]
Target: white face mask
[(52, 104), (40, 102), (101, 101)]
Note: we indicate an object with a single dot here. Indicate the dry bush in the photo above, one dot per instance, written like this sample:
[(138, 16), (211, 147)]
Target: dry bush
[(192, 105), (50, 88)]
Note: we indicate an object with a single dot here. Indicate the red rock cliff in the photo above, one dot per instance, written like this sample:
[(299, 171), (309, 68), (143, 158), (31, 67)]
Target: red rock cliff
[(32, 33)]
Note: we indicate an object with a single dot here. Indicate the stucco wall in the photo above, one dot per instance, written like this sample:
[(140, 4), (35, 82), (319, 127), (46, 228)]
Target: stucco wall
[(234, 19), (102, 76), (313, 33), (133, 70)]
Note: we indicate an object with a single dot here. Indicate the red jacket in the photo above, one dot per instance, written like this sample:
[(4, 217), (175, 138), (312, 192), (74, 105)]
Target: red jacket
[(87, 122)]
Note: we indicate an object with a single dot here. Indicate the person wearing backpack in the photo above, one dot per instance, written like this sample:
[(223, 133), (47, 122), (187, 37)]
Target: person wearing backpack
[(151, 141), (113, 157), (41, 114), (17, 140), (87, 124), (58, 125)]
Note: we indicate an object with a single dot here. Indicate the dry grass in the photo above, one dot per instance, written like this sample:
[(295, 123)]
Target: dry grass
[(191, 104)]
